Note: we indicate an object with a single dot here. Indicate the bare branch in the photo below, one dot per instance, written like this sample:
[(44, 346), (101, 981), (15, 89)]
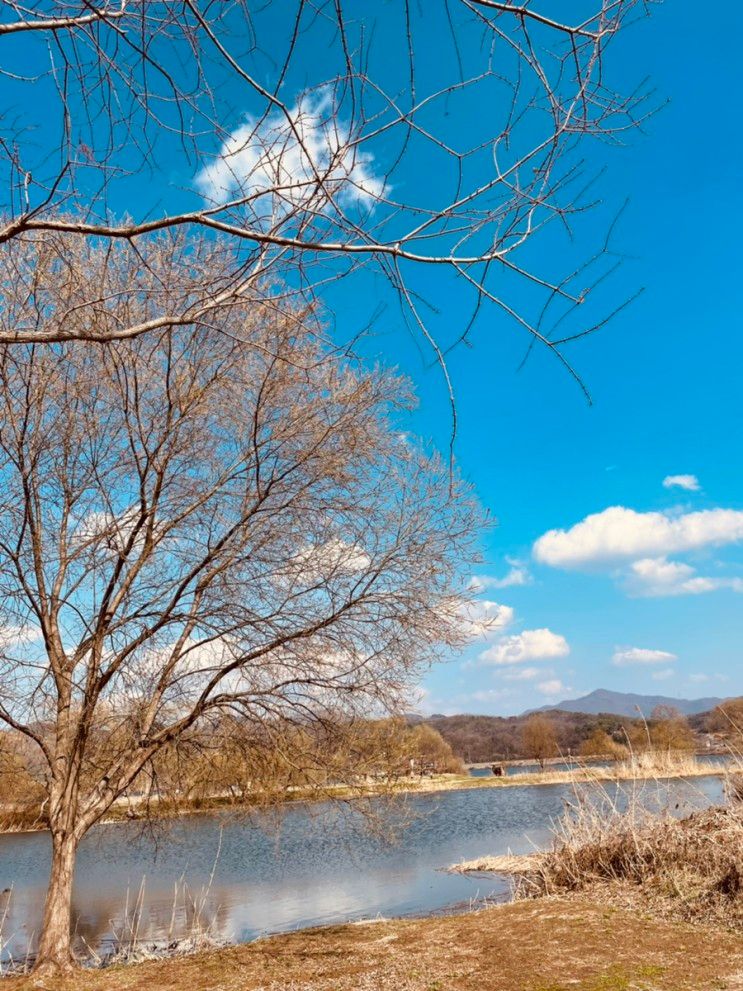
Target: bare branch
[(61, 23), (365, 165)]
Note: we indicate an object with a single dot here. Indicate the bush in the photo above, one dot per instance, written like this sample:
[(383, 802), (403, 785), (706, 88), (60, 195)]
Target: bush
[(600, 744)]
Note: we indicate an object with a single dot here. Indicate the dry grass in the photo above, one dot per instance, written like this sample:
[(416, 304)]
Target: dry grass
[(661, 764), (509, 863), (688, 868), (623, 853), (22, 819), (643, 767), (552, 944), (130, 946)]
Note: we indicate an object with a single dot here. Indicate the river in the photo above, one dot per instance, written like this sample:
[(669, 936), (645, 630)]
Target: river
[(316, 864)]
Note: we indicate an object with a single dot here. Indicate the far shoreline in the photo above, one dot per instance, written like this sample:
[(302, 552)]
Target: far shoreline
[(673, 768)]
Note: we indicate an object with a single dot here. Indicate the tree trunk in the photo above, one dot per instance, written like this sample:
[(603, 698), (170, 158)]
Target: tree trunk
[(54, 954)]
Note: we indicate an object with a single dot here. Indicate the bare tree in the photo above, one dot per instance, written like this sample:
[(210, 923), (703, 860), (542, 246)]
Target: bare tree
[(670, 729), (238, 762), (601, 744), (198, 524), (727, 719), (538, 738), (324, 139)]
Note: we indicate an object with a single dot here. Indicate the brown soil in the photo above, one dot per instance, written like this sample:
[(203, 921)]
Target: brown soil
[(552, 944)]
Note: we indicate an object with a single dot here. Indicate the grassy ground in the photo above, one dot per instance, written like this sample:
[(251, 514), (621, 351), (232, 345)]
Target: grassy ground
[(551, 944)]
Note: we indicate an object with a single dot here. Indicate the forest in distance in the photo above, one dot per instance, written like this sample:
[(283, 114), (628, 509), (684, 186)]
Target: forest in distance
[(479, 739)]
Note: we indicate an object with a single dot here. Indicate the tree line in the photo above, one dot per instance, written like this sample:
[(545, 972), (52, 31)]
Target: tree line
[(478, 739), (235, 764)]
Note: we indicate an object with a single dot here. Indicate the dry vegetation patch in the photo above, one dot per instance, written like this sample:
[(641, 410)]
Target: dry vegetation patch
[(689, 868), (623, 852)]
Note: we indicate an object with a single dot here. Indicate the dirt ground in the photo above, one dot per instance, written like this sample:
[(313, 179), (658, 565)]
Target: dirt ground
[(547, 945)]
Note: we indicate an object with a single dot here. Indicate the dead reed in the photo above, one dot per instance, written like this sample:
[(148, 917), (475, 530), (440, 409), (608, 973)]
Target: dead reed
[(625, 852)]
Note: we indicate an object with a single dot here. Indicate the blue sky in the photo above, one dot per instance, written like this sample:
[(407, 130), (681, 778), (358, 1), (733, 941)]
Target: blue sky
[(630, 601), (633, 602), (665, 378)]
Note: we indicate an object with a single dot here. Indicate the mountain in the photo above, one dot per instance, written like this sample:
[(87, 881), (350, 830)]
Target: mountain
[(627, 704)]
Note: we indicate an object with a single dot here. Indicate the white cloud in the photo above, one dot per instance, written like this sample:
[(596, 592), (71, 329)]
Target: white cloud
[(300, 160), (523, 674), (517, 575), (109, 532), (619, 533), (552, 687), (663, 675), (530, 645), (688, 482), (657, 576), (485, 619), (488, 695), (699, 678), (641, 655), (315, 562), (13, 637)]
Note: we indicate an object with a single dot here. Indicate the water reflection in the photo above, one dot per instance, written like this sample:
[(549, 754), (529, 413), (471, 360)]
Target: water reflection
[(319, 866)]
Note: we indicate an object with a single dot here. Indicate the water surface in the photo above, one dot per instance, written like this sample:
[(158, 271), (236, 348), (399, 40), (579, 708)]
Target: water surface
[(318, 864)]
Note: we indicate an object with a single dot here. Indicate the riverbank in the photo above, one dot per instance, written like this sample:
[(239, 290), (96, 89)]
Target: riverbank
[(551, 944), (686, 869), (664, 768), (650, 770)]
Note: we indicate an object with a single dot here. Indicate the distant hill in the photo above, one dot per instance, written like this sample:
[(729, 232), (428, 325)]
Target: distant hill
[(627, 704)]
